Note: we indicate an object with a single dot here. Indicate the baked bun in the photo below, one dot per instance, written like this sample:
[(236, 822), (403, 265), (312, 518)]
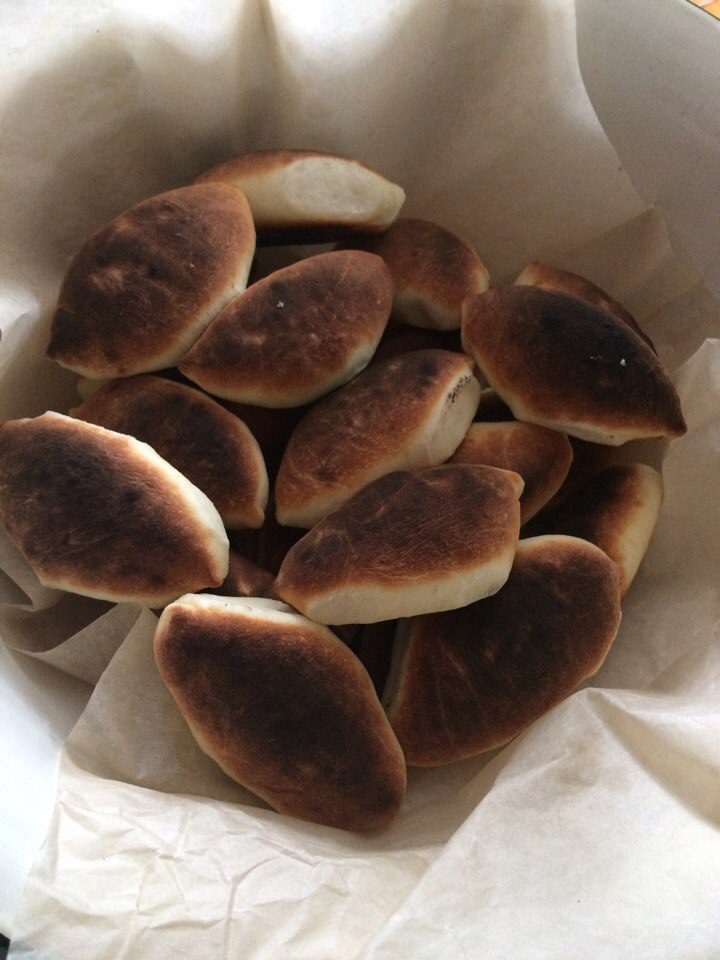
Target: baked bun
[(562, 281), (542, 457), (432, 271), (297, 334), (408, 412), (298, 195), (469, 680), (101, 514), (565, 364), (144, 287), (206, 443), (283, 707), (408, 543), (616, 510)]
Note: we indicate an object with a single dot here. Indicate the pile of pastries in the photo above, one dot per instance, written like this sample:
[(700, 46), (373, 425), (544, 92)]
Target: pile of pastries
[(375, 499)]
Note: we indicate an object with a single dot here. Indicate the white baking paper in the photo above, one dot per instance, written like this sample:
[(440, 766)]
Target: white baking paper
[(592, 835)]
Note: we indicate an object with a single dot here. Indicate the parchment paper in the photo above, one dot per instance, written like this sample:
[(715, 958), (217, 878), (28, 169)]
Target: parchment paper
[(592, 835)]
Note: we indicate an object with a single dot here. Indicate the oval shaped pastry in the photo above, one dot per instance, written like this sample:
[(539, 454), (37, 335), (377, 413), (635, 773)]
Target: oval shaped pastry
[(616, 510), (565, 364), (542, 457), (101, 514), (205, 442), (470, 680), (283, 707), (408, 412), (546, 277), (432, 271), (408, 543), (303, 195), (144, 287), (297, 334)]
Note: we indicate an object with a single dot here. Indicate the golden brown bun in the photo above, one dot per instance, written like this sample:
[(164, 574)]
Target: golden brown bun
[(304, 196), (616, 510), (565, 364), (205, 442), (542, 457), (562, 281), (283, 707), (469, 680), (246, 579), (408, 543), (101, 514), (432, 271), (408, 412), (144, 287), (297, 334)]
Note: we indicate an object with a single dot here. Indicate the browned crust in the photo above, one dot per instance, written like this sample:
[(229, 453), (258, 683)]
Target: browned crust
[(405, 528), (568, 361), (205, 442), (364, 422), (288, 711), (246, 579), (563, 281), (138, 285), (601, 511), (295, 332), (474, 678), (542, 457), (85, 509), (286, 232), (428, 260)]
